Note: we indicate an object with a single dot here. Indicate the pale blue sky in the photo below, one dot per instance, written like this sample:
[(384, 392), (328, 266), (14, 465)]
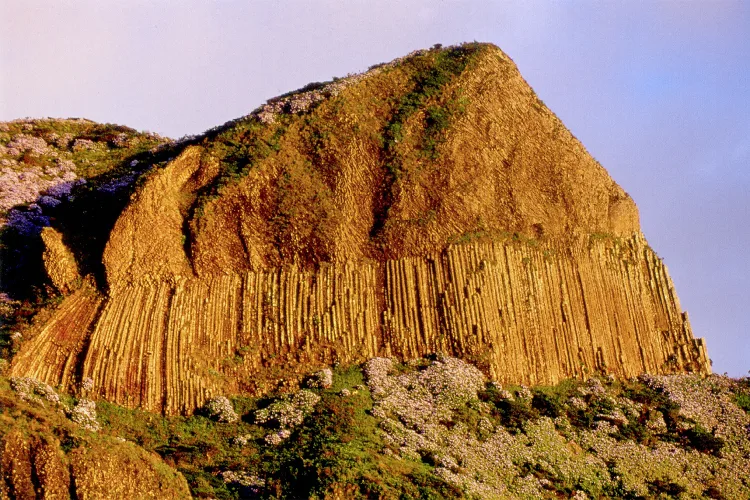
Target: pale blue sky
[(658, 92)]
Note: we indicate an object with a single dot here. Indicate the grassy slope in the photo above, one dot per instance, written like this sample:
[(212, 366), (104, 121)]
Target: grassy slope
[(342, 448)]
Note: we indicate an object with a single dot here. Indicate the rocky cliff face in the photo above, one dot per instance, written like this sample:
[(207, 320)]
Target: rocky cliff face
[(432, 204)]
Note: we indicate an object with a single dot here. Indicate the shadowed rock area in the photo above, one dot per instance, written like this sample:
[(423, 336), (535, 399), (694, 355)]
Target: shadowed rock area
[(430, 205)]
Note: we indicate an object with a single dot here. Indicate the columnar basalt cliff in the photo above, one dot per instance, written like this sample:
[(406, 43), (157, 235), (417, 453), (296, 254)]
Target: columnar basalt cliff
[(432, 204)]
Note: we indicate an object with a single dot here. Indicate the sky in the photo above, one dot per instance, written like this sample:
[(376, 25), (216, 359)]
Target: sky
[(658, 92)]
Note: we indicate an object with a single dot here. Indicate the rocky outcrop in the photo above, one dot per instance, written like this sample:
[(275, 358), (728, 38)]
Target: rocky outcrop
[(147, 240), (36, 467), (123, 470), (33, 468), (59, 262), (434, 205), (525, 313), (501, 163), (55, 351)]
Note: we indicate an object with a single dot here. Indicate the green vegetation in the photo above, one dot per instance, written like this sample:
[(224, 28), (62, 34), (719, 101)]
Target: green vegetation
[(432, 72), (742, 397), (481, 234), (239, 148), (94, 148), (743, 401), (599, 437)]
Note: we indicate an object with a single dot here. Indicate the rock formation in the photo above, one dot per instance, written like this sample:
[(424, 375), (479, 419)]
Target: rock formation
[(35, 467), (59, 262), (432, 204)]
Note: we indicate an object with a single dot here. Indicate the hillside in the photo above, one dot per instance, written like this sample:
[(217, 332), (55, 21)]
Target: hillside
[(432, 428), (430, 205), (412, 282), (74, 174)]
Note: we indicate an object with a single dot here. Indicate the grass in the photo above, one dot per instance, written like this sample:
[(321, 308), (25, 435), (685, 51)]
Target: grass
[(432, 72), (340, 449)]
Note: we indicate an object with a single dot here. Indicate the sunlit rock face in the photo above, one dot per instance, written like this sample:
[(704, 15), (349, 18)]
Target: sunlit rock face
[(432, 204)]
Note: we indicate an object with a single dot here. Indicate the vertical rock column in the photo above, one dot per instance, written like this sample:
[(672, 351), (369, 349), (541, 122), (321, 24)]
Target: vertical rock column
[(125, 357), (538, 315), (52, 356)]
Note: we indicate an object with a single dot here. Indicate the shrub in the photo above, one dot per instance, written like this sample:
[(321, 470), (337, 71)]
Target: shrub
[(322, 379), (32, 390), (307, 463), (84, 414), (548, 405), (220, 409), (703, 440), (288, 412), (513, 413), (743, 401)]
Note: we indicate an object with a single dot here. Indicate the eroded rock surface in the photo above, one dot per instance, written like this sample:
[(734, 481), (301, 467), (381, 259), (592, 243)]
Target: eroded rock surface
[(430, 205), (59, 262), (36, 467)]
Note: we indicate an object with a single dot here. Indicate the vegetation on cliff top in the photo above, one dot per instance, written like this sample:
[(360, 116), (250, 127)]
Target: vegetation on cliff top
[(435, 428), (75, 175)]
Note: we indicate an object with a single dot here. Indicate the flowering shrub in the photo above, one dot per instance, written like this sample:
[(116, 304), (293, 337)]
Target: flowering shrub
[(118, 183), (249, 485), (241, 440), (36, 159), (84, 414), (662, 435), (677, 436), (32, 390), (83, 145), (87, 384), (322, 379), (524, 393), (19, 187), (23, 143), (288, 411), (221, 410), (275, 438), (421, 398)]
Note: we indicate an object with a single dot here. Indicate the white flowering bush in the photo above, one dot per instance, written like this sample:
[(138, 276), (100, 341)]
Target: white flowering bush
[(249, 484), (23, 143), (524, 393), (34, 391), (241, 440), (664, 435), (322, 379), (84, 414), (84, 145), (289, 410), (276, 438), (41, 160), (87, 384), (421, 398), (220, 409)]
